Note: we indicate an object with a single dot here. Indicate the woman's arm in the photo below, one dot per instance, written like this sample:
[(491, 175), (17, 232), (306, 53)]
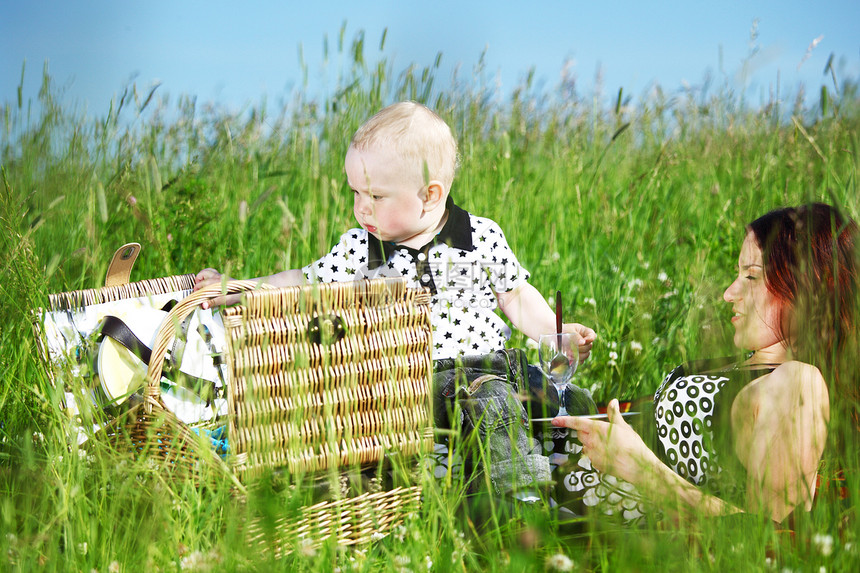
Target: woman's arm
[(779, 425), (615, 448)]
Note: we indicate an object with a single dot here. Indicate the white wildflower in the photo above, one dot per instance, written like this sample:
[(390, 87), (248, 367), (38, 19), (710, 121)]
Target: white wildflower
[(401, 560), (824, 543), (591, 301), (428, 562), (113, 567), (307, 548), (634, 284), (82, 548), (556, 256), (646, 265), (768, 563), (559, 562), (662, 276), (613, 355), (635, 346), (613, 345), (377, 536), (646, 316), (199, 561)]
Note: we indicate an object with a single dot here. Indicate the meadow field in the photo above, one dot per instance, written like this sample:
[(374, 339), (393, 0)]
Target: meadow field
[(633, 206)]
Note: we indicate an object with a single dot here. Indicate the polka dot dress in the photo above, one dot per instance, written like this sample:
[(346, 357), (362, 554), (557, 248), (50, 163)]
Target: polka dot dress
[(692, 413), (684, 412)]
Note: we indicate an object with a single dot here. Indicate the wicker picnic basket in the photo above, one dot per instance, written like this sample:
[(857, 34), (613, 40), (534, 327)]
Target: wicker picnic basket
[(320, 377)]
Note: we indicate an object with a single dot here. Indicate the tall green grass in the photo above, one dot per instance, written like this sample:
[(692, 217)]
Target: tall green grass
[(634, 209)]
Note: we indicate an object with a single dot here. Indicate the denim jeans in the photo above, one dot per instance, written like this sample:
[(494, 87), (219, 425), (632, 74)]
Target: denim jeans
[(485, 394)]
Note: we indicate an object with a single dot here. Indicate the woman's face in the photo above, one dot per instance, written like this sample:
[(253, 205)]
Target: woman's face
[(756, 310)]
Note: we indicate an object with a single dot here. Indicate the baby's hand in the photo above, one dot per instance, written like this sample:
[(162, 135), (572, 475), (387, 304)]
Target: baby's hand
[(210, 277), (205, 278), (588, 336)]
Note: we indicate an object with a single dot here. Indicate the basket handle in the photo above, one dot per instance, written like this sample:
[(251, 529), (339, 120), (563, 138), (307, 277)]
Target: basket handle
[(167, 330), (119, 269)]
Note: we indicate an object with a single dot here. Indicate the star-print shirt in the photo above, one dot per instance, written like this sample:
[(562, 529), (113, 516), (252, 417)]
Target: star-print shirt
[(463, 266)]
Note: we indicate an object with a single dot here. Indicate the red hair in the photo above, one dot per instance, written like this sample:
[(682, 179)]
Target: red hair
[(810, 267)]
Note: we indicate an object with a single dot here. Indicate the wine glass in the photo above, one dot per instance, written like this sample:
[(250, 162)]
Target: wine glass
[(559, 357)]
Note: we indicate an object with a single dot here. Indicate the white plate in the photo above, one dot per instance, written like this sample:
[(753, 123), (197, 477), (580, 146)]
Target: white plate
[(588, 416), (120, 371)]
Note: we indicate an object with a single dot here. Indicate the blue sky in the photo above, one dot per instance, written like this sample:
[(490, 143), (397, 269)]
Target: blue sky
[(234, 53)]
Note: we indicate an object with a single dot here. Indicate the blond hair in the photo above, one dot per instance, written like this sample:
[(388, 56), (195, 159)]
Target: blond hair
[(414, 133)]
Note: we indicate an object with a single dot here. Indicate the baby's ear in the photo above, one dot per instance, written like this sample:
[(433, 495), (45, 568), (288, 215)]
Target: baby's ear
[(433, 194)]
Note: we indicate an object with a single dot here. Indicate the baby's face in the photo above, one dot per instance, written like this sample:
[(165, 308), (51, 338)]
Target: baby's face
[(387, 196)]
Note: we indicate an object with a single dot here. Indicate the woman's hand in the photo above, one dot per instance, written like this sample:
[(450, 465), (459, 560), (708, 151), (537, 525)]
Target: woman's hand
[(613, 447)]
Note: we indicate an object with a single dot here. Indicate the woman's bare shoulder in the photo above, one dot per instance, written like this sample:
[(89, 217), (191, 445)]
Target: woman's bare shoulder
[(793, 378), (796, 371)]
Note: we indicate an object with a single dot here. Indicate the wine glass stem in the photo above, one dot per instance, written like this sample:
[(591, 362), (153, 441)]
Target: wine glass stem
[(562, 411)]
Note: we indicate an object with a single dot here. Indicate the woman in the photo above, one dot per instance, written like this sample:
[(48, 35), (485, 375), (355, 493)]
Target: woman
[(753, 431)]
